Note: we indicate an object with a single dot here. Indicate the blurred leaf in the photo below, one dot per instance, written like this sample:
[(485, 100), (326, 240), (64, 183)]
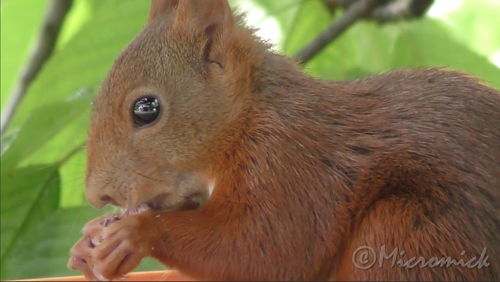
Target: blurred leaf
[(79, 14), (362, 50), (284, 12), (87, 57), (36, 234), (367, 48), (42, 246), (73, 180), (68, 139), (42, 124), (311, 19), (18, 33), (27, 193), (472, 25), (427, 43), (7, 139)]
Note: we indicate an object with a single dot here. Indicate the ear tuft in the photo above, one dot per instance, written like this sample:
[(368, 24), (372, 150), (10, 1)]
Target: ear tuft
[(212, 18), (208, 15), (159, 7)]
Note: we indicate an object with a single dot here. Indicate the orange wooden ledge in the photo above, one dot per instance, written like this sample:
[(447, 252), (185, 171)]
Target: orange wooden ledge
[(162, 275)]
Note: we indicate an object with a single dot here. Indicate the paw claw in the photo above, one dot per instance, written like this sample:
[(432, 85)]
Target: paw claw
[(96, 241), (99, 276)]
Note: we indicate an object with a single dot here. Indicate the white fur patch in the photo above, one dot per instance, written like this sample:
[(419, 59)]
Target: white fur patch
[(211, 186)]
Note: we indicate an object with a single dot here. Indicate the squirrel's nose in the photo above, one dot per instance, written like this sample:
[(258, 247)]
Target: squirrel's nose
[(96, 195), (99, 201)]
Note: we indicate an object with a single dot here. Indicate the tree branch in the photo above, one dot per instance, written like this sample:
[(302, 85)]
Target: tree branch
[(355, 11), (398, 10), (41, 51), (393, 11)]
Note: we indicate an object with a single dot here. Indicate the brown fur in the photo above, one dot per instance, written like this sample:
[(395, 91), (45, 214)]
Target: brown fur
[(306, 171)]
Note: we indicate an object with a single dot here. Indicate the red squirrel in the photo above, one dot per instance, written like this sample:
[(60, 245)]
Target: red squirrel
[(231, 163)]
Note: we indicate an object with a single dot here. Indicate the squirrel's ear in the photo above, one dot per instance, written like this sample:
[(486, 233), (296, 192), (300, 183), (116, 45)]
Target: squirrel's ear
[(159, 7), (208, 15), (212, 17)]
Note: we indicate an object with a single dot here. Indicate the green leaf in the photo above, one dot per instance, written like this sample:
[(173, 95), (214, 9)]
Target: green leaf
[(283, 11), (79, 14), (427, 43), (363, 49), (476, 25), (37, 235), (88, 55), (73, 180), (18, 34), (27, 194), (43, 123), (42, 247), (311, 19)]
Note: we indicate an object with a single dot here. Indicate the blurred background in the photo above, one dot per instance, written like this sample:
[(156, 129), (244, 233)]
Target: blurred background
[(43, 207)]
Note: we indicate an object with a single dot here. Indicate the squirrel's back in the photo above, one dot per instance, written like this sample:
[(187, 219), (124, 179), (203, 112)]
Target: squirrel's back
[(414, 159)]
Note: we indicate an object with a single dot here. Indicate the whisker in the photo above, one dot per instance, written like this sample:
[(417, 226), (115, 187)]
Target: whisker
[(73, 180), (75, 164), (145, 176)]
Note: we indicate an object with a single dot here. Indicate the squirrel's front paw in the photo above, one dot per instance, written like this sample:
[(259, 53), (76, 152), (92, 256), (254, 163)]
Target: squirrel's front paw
[(112, 246), (81, 253), (81, 257)]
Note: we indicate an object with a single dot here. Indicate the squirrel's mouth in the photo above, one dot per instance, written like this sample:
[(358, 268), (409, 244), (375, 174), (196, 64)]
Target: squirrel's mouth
[(163, 202), (125, 213), (167, 201), (159, 203), (135, 210)]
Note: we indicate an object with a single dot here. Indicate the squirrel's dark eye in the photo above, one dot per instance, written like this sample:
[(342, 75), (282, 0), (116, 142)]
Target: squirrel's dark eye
[(145, 111)]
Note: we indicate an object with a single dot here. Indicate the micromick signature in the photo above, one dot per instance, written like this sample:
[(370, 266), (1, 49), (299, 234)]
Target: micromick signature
[(366, 257)]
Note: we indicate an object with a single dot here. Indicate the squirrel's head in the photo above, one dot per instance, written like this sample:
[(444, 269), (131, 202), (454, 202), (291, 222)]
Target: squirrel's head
[(167, 101)]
